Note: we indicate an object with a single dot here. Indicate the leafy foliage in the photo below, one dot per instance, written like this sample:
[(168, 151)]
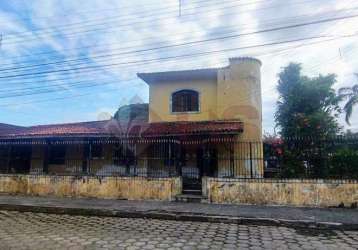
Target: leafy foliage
[(310, 158), (351, 95), (344, 163), (307, 106), (307, 110)]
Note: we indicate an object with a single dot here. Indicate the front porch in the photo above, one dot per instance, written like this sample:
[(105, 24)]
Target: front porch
[(133, 148), (191, 158)]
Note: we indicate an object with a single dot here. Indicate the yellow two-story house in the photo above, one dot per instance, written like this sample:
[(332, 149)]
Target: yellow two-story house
[(202, 122)]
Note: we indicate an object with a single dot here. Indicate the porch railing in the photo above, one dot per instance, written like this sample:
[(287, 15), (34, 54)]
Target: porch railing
[(225, 158)]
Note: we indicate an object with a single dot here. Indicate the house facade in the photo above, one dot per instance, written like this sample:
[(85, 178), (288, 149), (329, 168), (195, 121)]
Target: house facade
[(232, 93), (205, 122)]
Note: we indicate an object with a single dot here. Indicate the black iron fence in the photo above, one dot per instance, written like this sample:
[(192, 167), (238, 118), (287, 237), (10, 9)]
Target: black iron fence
[(217, 157), (328, 158)]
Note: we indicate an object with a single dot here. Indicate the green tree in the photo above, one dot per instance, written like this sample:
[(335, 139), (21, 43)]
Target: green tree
[(307, 107), (351, 95)]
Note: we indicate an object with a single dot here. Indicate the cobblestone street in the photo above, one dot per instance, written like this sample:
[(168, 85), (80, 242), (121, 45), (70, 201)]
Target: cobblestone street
[(45, 231)]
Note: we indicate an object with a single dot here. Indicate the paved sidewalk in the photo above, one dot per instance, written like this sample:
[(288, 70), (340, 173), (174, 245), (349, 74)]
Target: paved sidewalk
[(33, 231), (333, 218)]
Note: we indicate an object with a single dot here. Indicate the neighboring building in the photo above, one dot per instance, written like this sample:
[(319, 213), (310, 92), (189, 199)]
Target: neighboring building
[(204, 122)]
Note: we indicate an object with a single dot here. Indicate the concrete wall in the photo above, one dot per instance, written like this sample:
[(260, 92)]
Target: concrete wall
[(130, 188), (318, 193)]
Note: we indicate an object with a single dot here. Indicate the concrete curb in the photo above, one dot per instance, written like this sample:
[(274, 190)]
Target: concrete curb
[(164, 215)]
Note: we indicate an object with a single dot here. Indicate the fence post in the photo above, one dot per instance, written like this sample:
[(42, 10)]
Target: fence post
[(232, 159), (135, 160), (46, 157), (169, 157), (178, 163), (8, 158), (89, 157), (251, 171)]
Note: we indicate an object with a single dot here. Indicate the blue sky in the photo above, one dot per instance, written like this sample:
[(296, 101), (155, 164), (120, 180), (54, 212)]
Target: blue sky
[(109, 38)]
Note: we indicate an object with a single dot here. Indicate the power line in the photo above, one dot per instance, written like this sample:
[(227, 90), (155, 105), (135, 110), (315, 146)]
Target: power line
[(112, 9), (53, 99), (187, 43), (46, 91), (220, 38), (263, 92), (317, 42), (280, 20), (210, 3), (108, 20), (66, 84), (27, 39), (149, 60), (62, 85)]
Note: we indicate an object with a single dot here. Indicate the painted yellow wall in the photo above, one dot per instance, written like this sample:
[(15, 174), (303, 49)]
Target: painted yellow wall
[(292, 192), (235, 95), (239, 96), (160, 101), (131, 188)]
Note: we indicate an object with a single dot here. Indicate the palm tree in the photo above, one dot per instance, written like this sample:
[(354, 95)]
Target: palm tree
[(350, 94)]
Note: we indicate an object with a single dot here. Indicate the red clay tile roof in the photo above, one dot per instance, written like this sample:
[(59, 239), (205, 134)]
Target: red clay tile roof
[(190, 128), (53, 130), (114, 128)]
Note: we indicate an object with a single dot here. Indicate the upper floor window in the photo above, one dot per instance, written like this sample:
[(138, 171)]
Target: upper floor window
[(185, 101)]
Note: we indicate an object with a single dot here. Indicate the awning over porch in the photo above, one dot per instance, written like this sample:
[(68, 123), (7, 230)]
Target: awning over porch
[(120, 129)]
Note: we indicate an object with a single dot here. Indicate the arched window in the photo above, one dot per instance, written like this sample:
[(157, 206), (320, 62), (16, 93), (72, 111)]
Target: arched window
[(185, 101)]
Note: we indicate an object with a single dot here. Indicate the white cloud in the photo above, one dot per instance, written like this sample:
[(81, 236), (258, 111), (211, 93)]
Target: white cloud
[(112, 38)]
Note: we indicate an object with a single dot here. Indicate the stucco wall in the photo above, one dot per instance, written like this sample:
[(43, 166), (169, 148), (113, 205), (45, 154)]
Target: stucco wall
[(131, 188), (320, 193), (236, 94), (239, 96), (160, 101)]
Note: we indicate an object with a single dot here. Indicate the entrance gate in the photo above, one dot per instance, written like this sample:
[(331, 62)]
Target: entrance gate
[(196, 162)]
